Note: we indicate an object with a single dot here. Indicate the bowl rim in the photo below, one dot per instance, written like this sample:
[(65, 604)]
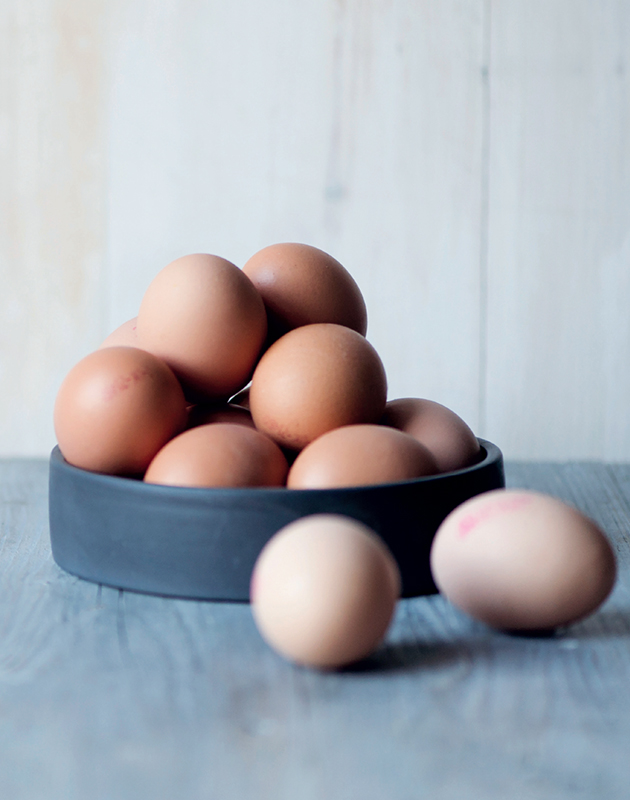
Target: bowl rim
[(491, 453)]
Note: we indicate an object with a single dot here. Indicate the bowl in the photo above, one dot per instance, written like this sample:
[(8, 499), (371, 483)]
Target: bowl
[(203, 543)]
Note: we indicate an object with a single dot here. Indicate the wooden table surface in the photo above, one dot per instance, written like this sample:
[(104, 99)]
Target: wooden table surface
[(109, 694)]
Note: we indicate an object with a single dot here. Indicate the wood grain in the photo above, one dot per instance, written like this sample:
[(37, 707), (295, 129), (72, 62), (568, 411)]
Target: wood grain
[(352, 126), (559, 222), (467, 160), (52, 206), (108, 694)]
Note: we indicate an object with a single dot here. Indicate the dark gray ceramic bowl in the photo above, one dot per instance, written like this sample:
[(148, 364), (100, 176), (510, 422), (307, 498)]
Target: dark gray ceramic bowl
[(202, 543)]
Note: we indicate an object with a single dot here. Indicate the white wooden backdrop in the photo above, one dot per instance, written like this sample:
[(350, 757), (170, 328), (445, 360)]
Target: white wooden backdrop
[(467, 160)]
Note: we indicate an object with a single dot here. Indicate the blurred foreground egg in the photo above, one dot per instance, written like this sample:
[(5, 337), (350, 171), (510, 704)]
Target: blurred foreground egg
[(219, 454), (440, 430), (323, 591), (519, 560), (115, 409)]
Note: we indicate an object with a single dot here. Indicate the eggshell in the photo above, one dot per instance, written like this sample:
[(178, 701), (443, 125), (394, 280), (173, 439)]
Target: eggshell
[(116, 408), (209, 413), (314, 379), (126, 335), (358, 455), (220, 454), (521, 560), (323, 591), (203, 316), (302, 285), (440, 430)]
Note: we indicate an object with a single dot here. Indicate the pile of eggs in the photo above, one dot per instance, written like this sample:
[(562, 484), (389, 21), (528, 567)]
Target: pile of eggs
[(262, 376), (163, 396)]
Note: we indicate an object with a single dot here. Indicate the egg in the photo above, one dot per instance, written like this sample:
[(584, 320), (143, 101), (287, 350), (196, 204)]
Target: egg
[(208, 413), (115, 409), (314, 379), (203, 316), (358, 455), (126, 335), (220, 454), (440, 430), (302, 285), (323, 591), (520, 560)]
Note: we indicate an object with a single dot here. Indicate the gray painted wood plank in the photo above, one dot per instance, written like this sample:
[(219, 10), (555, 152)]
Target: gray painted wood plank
[(107, 694)]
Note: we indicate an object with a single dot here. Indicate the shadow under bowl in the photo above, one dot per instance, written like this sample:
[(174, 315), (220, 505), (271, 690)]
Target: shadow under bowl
[(203, 543)]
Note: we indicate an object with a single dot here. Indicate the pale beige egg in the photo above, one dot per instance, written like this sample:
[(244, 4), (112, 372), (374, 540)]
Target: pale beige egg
[(521, 560), (323, 591)]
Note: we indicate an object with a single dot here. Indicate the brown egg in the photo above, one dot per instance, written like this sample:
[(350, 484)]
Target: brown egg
[(126, 335), (203, 316), (302, 285), (522, 560), (209, 413), (323, 591), (314, 379), (440, 430), (115, 409), (360, 455), (220, 454)]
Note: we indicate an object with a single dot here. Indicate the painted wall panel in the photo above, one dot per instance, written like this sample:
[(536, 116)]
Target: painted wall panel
[(352, 126), (52, 206), (468, 161), (558, 380)]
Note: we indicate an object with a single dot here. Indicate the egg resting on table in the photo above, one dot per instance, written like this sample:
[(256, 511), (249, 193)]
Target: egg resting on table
[(323, 591), (359, 455), (220, 454), (115, 409), (522, 560), (316, 378), (302, 285), (440, 430), (203, 316)]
